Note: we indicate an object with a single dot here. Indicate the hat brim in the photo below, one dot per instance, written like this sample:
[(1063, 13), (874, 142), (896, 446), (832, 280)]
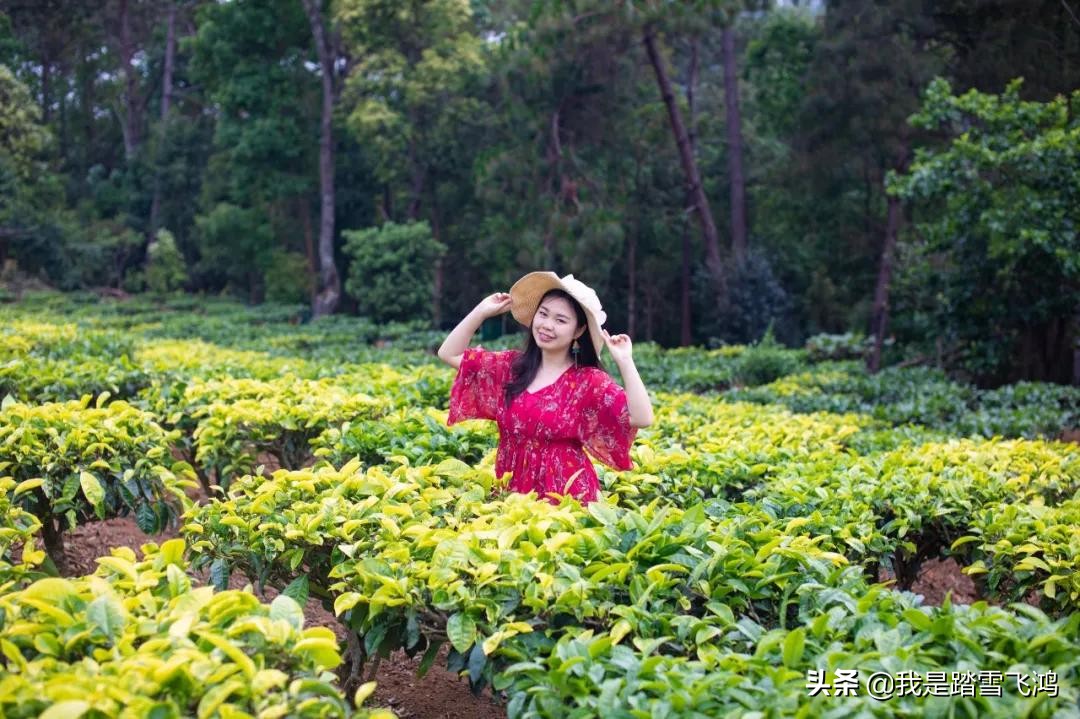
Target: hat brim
[(525, 296)]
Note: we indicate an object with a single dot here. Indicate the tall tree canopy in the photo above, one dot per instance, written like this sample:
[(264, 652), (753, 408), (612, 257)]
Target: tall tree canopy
[(713, 168)]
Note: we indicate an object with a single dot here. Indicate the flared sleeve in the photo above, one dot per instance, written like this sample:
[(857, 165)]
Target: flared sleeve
[(479, 385), (605, 429)]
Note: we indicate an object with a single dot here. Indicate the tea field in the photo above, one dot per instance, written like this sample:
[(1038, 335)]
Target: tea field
[(756, 562)]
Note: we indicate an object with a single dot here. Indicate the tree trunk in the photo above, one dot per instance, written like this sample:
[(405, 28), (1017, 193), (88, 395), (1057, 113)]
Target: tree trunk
[(437, 292), (87, 99), (1076, 347), (554, 183), (631, 280), (131, 84), (686, 335), (879, 319), (686, 328), (690, 169), (46, 90), (170, 60), (63, 120), (309, 249), (416, 191), (52, 534), (417, 179), (437, 279), (734, 139), (650, 306), (166, 102), (329, 293)]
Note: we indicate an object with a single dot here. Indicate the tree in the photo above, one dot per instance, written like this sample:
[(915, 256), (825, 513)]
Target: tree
[(998, 209), (168, 68), (329, 291), (25, 180), (736, 174), (250, 60), (695, 188), (414, 101), (868, 67)]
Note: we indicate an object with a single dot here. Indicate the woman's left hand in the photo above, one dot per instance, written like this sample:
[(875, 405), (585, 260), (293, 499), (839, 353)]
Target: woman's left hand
[(619, 346)]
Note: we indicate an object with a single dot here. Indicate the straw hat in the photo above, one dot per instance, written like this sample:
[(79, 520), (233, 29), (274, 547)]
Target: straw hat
[(527, 292)]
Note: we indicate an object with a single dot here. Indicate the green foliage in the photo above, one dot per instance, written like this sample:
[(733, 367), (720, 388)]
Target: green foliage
[(234, 241), (416, 558), (526, 135), (1026, 552), (688, 369), (846, 346), (24, 139), (391, 274), (756, 299), (741, 551), (165, 268), (74, 463), (413, 88), (766, 361), (998, 210), (98, 255), (417, 437), (778, 57), (43, 362), (239, 419), (19, 555), (927, 397), (288, 278), (137, 639), (34, 228)]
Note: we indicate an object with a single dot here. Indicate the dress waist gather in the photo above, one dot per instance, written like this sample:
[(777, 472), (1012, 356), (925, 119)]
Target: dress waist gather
[(544, 441)]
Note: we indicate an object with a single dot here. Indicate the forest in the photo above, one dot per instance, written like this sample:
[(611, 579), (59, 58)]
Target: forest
[(902, 173)]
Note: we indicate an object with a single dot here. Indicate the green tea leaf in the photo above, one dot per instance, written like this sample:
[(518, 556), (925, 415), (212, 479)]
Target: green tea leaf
[(92, 489), (477, 662), (461, 631), (286, 608), (106, 614), (794, 643), (298, 589), (146, 519), (219, 574), (70, 709)]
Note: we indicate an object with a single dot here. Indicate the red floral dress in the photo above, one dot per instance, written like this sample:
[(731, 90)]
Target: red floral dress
[(543, 434)]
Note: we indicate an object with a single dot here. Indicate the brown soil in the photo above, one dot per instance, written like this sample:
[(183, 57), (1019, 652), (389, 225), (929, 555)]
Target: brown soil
[(938, 577), (438, 695)]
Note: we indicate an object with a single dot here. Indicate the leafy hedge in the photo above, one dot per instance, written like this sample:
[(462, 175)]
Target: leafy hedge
[(927, 397), (19, 556), (74, 463), (606, 610), (138, 639)]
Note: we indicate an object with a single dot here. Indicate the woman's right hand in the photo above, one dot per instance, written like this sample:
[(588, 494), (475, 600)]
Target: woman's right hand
[(494, 305), (453, 347)]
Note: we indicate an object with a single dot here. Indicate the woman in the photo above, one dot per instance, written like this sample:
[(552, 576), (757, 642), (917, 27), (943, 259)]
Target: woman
[(552, 400)]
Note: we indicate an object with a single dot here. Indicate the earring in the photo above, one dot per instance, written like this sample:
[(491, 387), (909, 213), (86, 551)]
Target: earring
[(575, 350)]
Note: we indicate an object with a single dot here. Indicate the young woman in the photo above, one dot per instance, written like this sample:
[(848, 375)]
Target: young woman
[(552, 400)]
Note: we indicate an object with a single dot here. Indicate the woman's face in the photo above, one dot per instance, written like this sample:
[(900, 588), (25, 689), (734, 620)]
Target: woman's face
[(554, 325)]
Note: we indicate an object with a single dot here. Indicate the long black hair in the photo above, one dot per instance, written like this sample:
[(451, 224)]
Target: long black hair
[(525, 366)]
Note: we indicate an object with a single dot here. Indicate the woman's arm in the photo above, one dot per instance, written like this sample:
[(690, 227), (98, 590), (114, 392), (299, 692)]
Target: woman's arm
[(453, 347), (637, 397)]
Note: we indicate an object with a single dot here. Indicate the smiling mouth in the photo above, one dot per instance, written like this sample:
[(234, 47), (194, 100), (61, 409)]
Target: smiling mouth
[(544, 337)]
